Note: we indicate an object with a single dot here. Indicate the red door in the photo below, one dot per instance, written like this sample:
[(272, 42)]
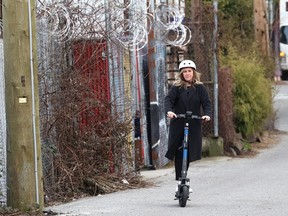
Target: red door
[(91, 62)]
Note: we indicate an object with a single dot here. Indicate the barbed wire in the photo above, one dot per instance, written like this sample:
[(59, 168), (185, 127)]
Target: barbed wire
[(125, 23)]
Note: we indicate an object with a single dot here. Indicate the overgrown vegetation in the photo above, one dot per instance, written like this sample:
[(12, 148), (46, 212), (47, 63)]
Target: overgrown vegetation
[(87, 148), (251, 71), (86, 117), (252, 97)]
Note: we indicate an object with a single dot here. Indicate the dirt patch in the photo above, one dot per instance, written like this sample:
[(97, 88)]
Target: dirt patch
[(282, 82), (15, 212), (267, 140)]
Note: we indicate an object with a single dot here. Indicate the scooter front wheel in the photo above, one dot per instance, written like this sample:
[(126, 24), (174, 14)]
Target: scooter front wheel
[(184, 195)]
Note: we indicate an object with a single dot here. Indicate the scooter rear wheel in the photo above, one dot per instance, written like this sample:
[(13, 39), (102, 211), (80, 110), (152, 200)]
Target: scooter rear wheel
[(184, 195)]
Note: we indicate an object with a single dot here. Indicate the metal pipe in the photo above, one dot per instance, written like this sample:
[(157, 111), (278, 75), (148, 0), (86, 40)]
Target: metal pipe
[(33, 103), (215, 63), (108, 50)]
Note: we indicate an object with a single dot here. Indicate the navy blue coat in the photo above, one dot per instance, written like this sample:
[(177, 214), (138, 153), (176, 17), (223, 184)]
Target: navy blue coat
[(179, 100)]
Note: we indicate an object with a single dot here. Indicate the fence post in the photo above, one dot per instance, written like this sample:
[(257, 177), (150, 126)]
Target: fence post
[(215, 63)]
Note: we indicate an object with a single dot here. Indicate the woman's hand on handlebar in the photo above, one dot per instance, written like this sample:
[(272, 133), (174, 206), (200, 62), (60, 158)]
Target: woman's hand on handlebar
[(171, 115), (206, 118)]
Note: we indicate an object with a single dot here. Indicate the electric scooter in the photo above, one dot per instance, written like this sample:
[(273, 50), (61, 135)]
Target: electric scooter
[(183, 188)]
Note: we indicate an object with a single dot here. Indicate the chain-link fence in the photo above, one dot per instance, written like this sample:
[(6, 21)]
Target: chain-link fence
[(85, 105), (200, 20)]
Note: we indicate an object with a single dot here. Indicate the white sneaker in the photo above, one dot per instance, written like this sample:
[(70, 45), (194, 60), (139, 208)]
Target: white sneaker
[(177, 183), (190, 190)]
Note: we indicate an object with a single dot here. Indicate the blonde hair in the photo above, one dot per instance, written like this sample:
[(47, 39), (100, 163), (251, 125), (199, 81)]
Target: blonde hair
[(179, 79)]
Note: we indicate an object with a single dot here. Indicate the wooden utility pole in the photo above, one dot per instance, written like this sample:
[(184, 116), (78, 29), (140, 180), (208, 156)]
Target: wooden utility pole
[(261, 26), (24, 166)]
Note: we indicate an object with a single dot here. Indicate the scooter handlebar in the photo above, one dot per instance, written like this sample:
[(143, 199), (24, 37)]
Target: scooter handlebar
[(188, 116)]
